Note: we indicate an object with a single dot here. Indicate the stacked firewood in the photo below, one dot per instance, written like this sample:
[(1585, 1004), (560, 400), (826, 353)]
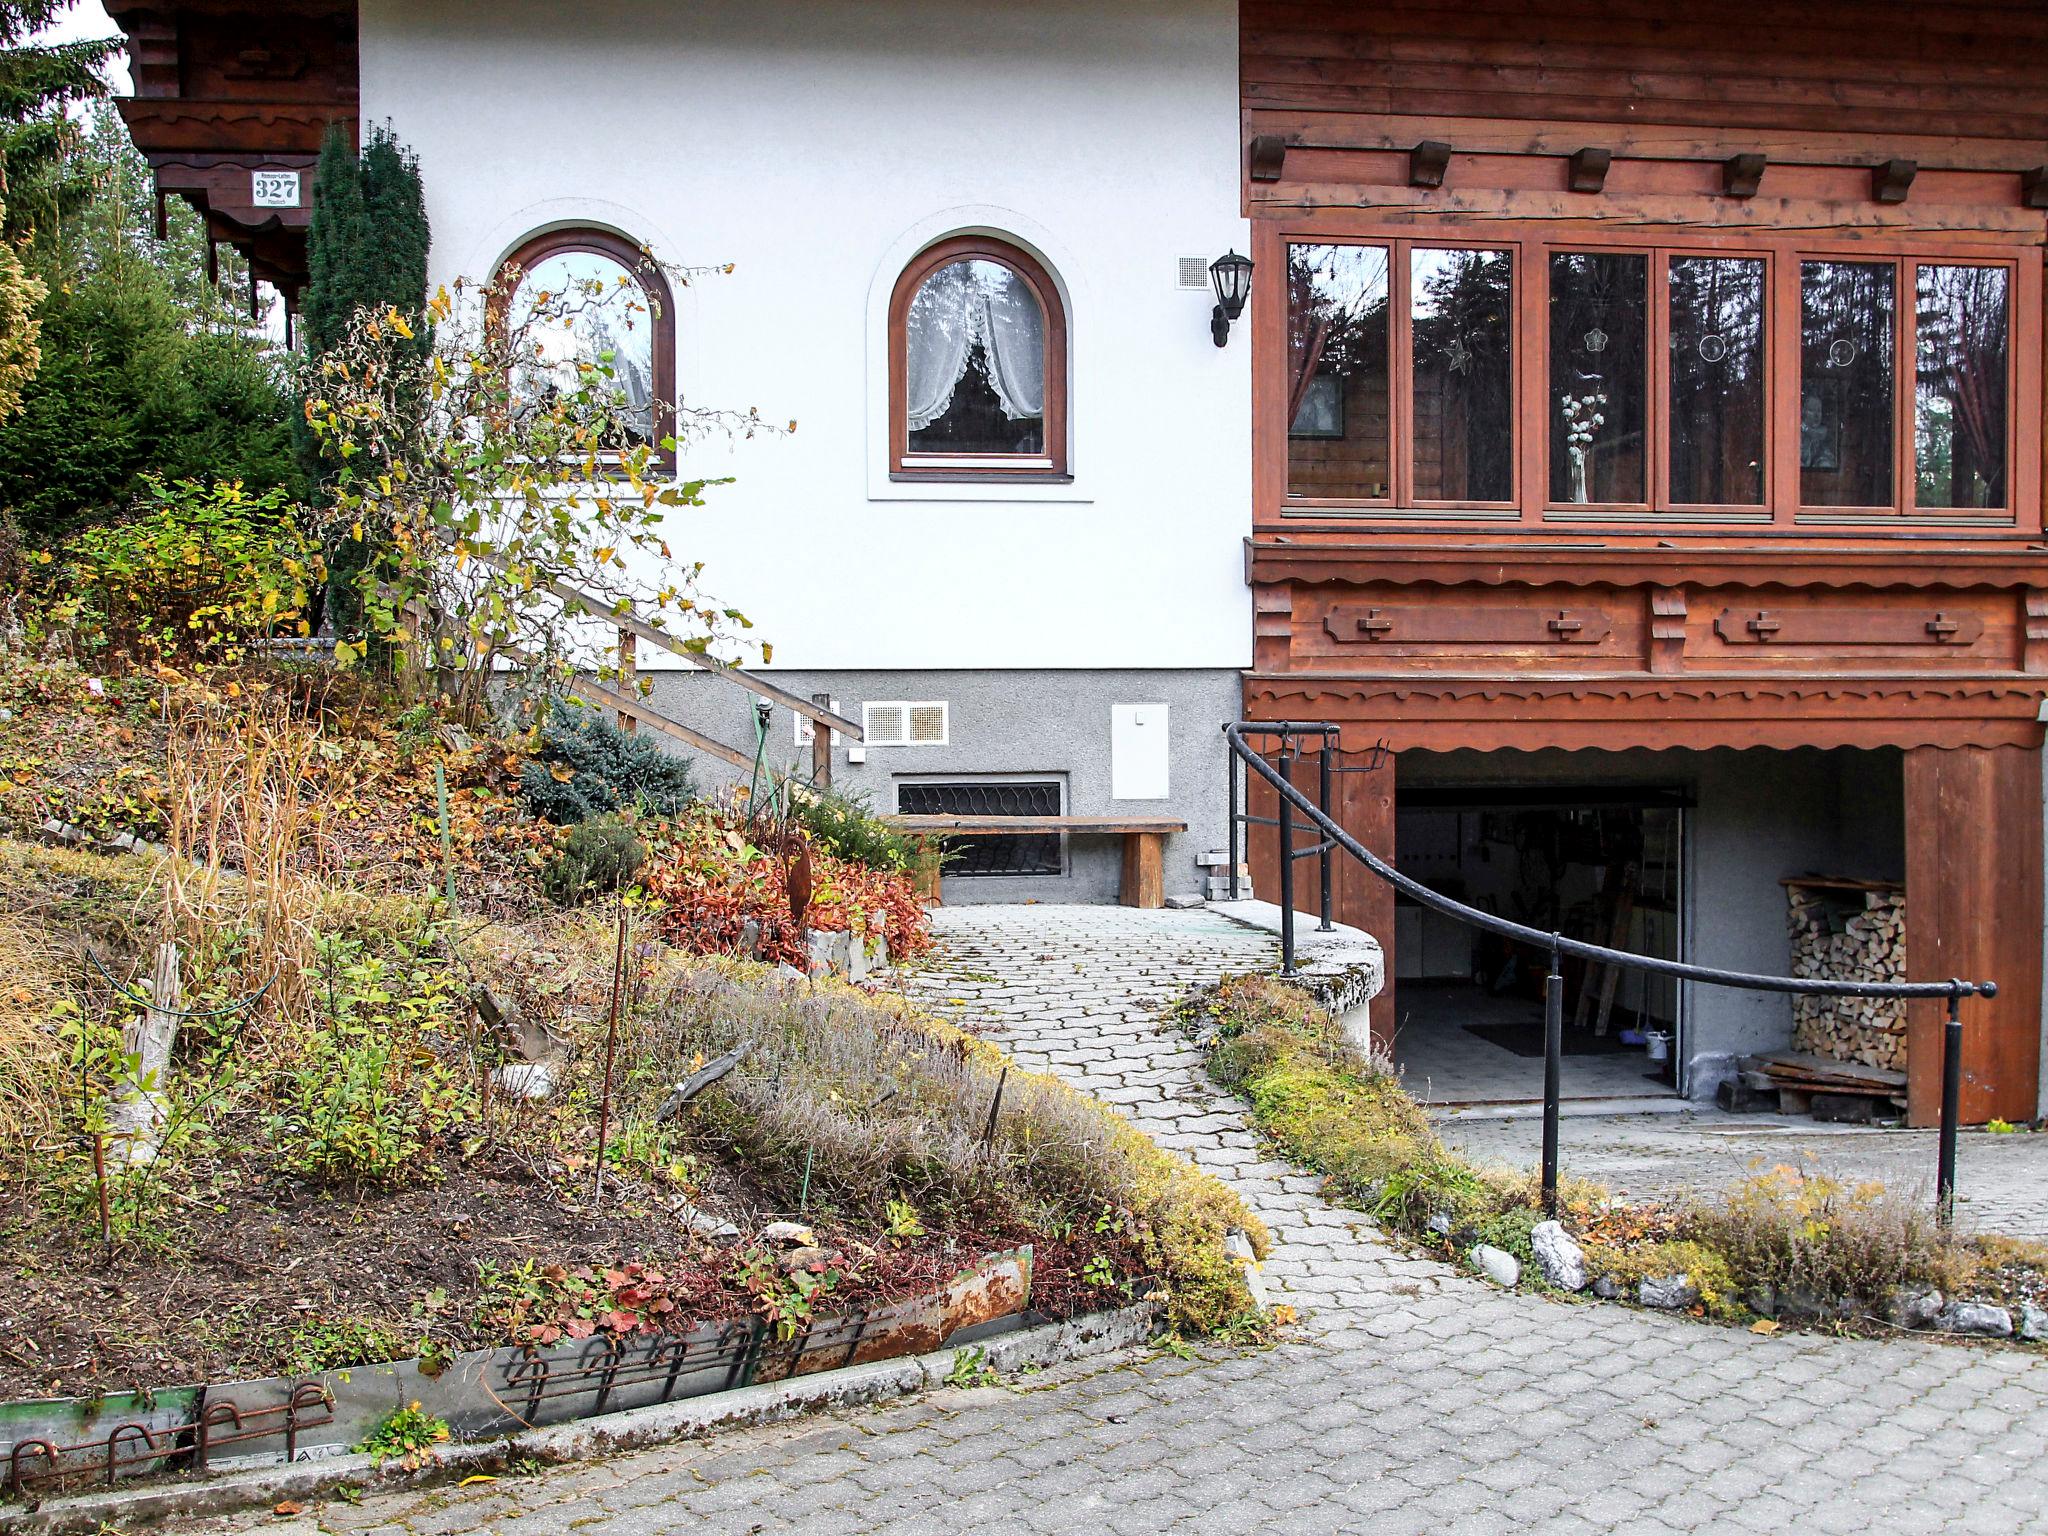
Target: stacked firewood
[(1832, 939)]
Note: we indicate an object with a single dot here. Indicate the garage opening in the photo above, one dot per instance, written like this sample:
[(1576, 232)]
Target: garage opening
[(1605, 866)]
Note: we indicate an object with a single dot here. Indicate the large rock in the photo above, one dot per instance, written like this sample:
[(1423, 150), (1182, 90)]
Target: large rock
[(1497, 1264), (1916, 1309), (1671, 1293), (2033, 1322), (1977, 1318), (1558, 1256)]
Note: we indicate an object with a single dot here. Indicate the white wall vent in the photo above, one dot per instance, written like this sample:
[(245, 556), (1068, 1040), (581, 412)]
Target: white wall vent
[(805, 730), (1192, 271), (923, 724)]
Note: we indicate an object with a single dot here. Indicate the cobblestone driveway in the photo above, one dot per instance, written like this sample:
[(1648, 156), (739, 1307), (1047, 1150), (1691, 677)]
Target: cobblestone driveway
[(1413, 1400), (2001, 1181)]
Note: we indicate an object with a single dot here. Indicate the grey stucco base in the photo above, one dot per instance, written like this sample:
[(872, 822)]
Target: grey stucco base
[(1004, 724)]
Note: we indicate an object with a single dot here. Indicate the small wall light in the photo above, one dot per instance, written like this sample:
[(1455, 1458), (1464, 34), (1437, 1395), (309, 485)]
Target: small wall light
[(1231, 276)]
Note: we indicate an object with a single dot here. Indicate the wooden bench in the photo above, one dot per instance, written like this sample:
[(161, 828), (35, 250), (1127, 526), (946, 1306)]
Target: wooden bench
[(1144, 874)]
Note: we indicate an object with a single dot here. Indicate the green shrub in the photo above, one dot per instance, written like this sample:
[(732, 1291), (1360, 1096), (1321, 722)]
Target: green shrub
[(588, 767), (367, 1096), (1708, 1271), (199, 570), (847, 827), (599, 855)]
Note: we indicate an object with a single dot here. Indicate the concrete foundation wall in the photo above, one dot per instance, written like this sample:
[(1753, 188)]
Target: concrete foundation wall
[(1005, 724), (1758, 816)]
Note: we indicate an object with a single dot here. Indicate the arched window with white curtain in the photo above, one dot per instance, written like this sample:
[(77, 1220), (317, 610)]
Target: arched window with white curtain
[(977, 364)]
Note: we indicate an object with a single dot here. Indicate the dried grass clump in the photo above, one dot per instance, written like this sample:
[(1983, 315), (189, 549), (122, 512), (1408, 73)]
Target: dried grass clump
[(883, 1103), (30, 1077), (236, 822), (1807, 1235)]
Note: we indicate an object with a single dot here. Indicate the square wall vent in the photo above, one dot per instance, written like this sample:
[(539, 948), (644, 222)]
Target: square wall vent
[(1192, 271), (926, 723)]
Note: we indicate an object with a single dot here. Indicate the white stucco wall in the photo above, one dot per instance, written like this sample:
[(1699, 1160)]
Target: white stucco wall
[(818, 145)]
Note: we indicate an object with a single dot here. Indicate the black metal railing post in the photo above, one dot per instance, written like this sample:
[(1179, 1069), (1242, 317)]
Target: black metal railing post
[(1951, 1106), (1286, 861), (1230, 773), (1553, 1070), (1329, 846)]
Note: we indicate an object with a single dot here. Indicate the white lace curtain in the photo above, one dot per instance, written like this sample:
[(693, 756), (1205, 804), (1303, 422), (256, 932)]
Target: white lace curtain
[(966, 304)]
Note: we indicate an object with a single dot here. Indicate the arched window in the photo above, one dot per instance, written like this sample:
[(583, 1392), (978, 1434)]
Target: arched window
[(977, 365), (610, 303)]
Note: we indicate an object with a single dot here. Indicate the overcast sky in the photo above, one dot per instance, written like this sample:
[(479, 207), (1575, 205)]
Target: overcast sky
[(86, 19)]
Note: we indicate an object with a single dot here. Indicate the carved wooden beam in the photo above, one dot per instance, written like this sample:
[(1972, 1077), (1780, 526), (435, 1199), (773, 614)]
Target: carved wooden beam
[(1849, 627), (1741, 175), (1892, 180), (2034, 634), (1589, 169), (1268, 157), (1426, 163), (1434, 624)]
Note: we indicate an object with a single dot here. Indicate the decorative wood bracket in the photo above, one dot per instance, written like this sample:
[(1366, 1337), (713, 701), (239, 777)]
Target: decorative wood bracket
[(1891, 181), (2034, 641), (1434, 625), (1741, 175), (1667, 629), (1857, 627), (1268, 157), (1589, 169), (1426, 163), (2034, 187)]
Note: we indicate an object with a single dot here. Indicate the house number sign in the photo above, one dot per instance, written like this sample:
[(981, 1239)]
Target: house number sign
[(274, 189)]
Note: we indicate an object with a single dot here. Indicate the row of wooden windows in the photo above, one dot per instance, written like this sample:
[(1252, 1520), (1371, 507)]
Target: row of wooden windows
[(1618, 380)]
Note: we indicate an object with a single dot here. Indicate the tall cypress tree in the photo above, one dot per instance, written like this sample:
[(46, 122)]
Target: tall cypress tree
[(366, 248)]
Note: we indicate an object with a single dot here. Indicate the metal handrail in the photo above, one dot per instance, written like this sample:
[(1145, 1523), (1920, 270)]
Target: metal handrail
[(1292, 800)]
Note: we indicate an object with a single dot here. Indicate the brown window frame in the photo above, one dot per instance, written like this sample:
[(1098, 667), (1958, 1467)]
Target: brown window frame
[(639, 263), (1048, 466), (1532, 244)]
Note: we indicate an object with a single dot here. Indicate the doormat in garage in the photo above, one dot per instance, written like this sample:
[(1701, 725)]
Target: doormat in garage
[(1527, 1040)]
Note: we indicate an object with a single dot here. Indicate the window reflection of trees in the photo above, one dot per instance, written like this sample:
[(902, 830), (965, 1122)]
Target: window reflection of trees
[(1846, 362), (1599, 360), (1717, 380), (595, 316), (1338, 318), (974, 351), (1461, 313), (1960, 394)]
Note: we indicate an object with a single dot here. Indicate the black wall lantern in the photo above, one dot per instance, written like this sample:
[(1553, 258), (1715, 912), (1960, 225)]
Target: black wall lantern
[(1231, 276)]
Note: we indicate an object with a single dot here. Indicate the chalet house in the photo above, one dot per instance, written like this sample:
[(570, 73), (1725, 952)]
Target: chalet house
[(1633, 441)]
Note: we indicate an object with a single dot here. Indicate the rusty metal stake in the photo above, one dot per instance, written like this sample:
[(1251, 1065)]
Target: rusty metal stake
[(995, 1108), (611, 1047), (99, 1174)]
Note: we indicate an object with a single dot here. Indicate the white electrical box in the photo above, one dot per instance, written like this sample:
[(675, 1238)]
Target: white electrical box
[(1138, 752)]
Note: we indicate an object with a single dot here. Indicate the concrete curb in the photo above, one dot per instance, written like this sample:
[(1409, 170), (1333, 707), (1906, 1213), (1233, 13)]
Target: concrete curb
[(1343, 969), (1096, 1333)]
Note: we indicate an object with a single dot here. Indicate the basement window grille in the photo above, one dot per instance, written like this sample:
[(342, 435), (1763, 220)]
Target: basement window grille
[(1032, 853)]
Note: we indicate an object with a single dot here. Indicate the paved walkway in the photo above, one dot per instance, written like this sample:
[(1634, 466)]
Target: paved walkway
[(1412, 1400), (2001, 1181)]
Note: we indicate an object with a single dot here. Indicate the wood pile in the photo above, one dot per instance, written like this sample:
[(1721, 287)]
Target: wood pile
[(1849, 930)]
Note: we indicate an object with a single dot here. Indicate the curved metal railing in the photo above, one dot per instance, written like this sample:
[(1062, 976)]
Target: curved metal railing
[(1330, 835)]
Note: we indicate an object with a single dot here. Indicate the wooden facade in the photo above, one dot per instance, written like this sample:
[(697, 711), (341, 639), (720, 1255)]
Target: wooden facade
[(1796, 583), (225, 89)]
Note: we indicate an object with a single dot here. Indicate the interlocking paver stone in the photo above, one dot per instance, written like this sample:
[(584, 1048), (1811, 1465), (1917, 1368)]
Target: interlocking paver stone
[(1413, 1398)]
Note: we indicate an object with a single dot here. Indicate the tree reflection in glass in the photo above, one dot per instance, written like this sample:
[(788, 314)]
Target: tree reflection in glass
[(1959, 408), (595, 316), (1337, 324), (1599, 362), (1846, 441), (1461, 310), (1717, 381)]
